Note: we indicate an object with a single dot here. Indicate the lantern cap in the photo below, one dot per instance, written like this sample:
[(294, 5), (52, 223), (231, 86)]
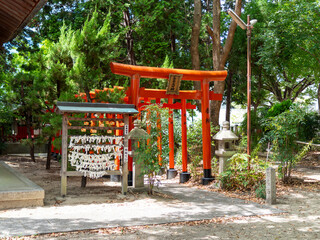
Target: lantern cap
[(225, 134), (137, 132)]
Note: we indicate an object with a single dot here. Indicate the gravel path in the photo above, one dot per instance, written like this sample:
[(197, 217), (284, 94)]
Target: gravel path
[(301, 222)]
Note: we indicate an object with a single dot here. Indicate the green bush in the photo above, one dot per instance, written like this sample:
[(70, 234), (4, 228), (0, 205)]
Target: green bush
[(261, 191), (310, 125), (282, 131), (147, 152), (259, 119), (194, 134), (193, 167), (239, 177)]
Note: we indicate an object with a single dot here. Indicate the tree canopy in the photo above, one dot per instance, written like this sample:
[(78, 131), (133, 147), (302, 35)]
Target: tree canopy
[(67, 48)]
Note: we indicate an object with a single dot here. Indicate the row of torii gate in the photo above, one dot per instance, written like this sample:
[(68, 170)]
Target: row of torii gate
[(142, 96)]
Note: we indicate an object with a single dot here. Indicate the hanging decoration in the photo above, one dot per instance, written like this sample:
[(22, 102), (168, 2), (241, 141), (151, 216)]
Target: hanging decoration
[(93, 155)]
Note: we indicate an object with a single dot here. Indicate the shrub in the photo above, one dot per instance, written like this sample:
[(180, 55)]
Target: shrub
[(283, 133), (193, 166), (261, 191), (147, 152), (260, 117), (238, 177)]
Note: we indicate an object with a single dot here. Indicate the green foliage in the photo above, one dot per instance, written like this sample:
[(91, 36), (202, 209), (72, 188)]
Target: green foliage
[(194, 165), (282, 131), (284, 52), (92, 49), (257, 129), (147, 152), (238, 177), (309, 127), (115, 95), (278, 108), (58, 65), (194, 134), (261, 191)]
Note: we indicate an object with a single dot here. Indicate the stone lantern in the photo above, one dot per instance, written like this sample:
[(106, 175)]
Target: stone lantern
[(225, 138), (137, 134)]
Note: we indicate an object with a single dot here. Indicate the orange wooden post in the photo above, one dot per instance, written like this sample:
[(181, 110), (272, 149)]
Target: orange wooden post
[(159, 139), (206, 136), (184, 176), (117, 133), (148, 127), (171, 136), (159, 145), (130, 158), (171, 173), (135, 85), (133, 99)]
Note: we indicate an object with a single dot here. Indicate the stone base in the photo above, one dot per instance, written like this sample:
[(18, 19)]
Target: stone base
[(171, 173), (21, 203), (184, 177), (206, 181), (115, 178), (138, 178), (207, 177), (16, 191)]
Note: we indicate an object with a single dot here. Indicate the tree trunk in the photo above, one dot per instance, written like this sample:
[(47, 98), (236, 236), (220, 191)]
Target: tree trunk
[(195, 58), (229, 93), (28, 123), (48, 164), (84, 179), (129, 38), (319, 98), (87, 91), (220, 55), (172, 41)]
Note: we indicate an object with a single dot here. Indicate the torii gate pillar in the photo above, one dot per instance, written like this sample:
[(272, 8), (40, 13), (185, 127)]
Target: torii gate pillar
[(206, 136)]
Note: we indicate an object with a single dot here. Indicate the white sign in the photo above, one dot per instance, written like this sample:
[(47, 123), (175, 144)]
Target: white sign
[(125, 152), (126, 129)]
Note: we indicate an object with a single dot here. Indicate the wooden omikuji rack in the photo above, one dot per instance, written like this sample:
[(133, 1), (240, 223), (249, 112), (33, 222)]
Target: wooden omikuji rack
[(97, 117)]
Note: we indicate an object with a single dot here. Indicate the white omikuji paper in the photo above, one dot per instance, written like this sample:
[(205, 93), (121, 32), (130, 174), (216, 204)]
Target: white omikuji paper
[(94, 165)]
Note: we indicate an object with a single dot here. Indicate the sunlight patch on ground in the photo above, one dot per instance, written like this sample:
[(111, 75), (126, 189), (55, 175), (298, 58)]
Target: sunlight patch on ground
[(298, 195)]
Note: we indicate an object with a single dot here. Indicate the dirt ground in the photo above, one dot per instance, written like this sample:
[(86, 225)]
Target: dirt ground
[(100, 190), (300, 200)]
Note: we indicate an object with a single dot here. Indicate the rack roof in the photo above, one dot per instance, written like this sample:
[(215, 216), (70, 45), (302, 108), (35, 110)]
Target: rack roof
[(80, 107)]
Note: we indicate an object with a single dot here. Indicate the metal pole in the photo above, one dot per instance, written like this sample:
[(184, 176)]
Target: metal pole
[(248, 87)]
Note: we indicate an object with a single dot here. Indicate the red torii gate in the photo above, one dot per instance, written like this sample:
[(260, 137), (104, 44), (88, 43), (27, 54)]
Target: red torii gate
[(205, 95)]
